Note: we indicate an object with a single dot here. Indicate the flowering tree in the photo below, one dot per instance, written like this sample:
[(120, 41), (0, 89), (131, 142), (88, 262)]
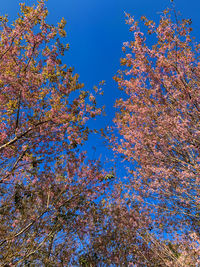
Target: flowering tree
[(47, 186), (159, 123), (118, 237), (52, 212)]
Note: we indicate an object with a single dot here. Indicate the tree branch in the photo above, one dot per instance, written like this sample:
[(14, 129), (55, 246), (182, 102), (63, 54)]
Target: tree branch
[(21, 135)]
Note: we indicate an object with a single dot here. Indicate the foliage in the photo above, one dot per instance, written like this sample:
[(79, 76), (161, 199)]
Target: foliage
[(46, 184), (57, 207), (159, 123)]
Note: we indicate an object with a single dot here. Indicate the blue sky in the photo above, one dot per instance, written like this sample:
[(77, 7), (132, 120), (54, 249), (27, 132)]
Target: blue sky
[(96, 30)]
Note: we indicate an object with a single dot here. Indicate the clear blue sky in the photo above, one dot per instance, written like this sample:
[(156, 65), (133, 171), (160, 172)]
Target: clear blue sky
[(96, 30)]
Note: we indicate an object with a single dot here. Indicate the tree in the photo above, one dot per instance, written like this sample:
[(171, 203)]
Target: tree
[(122, 235), (159, 123), (47, 186), (53, 209)]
